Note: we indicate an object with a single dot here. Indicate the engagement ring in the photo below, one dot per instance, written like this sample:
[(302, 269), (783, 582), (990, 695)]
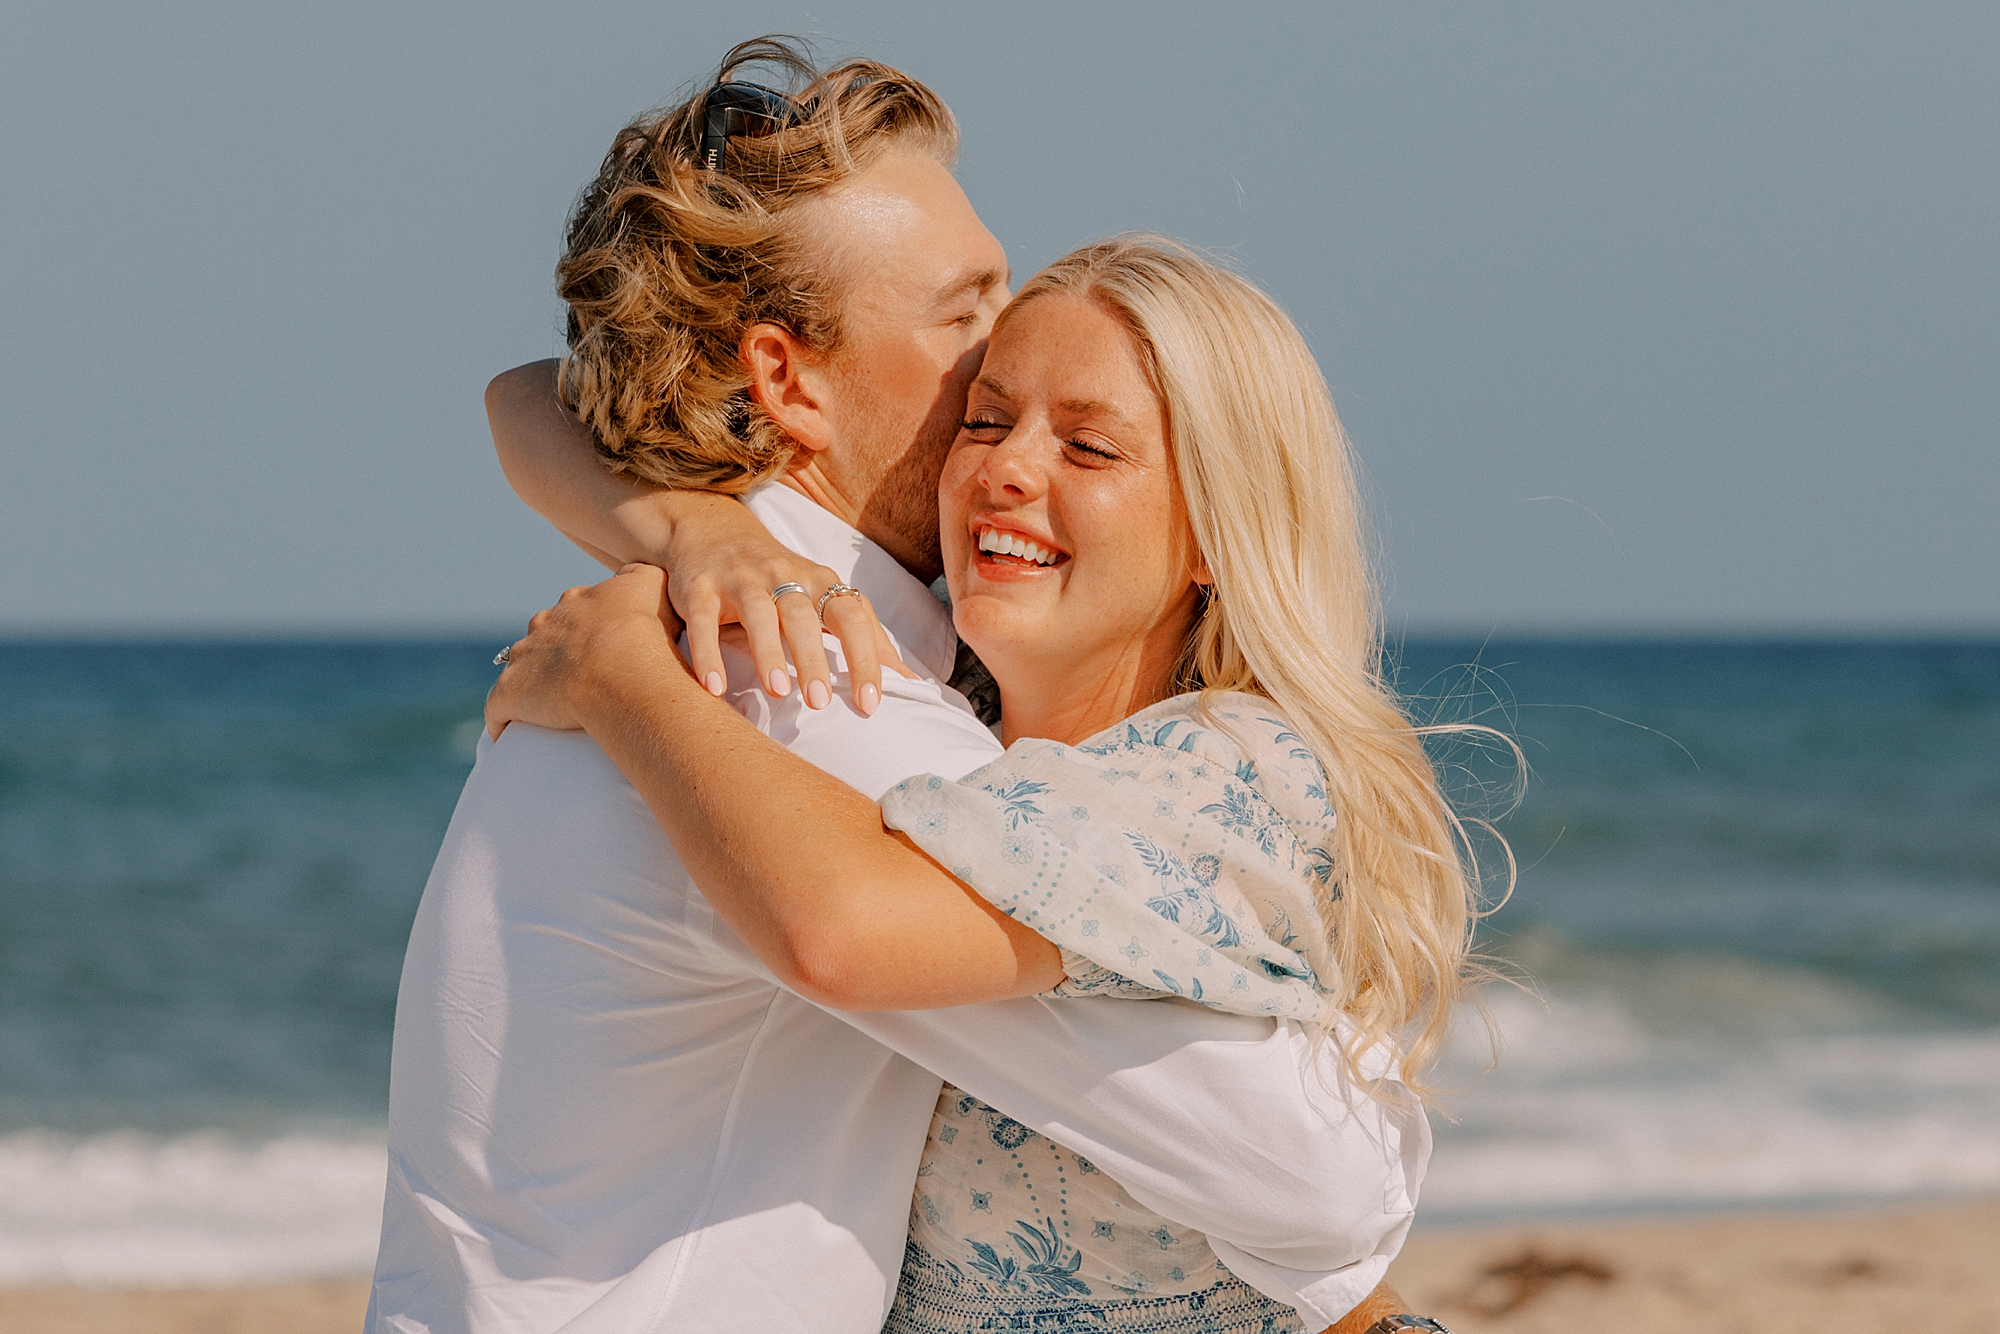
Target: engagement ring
[(504, 656), (837, 591)]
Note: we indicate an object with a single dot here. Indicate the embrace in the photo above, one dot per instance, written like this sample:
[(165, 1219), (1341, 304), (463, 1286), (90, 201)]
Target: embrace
[(758, 986)]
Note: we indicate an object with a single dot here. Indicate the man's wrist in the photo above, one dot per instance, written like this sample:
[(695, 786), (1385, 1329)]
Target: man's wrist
[(1403, 1320)]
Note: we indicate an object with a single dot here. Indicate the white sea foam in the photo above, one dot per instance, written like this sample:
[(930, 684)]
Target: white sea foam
[(136, 1210), (1604, 1100), (1593, 1109)]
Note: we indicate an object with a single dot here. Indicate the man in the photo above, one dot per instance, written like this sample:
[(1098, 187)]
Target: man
[(605, 1113)]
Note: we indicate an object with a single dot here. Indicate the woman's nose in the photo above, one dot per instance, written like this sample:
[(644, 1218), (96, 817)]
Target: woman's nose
[(1015, 467)]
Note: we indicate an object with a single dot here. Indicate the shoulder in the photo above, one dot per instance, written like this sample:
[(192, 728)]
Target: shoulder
[(1244, 733), (920, 727)]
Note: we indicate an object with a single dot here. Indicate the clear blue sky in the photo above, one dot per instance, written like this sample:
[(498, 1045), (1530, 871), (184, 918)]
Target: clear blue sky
[(1666, 317)]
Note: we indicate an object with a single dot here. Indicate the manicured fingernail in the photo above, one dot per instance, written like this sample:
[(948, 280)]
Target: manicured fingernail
[(871, 696), (781, 683), (714, 682), (817, 695)]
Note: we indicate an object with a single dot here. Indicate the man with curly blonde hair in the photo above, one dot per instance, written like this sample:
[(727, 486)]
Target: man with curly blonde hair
[(606, 1113)]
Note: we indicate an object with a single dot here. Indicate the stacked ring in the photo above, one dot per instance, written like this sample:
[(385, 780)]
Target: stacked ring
[(837, 591), (783, 589)]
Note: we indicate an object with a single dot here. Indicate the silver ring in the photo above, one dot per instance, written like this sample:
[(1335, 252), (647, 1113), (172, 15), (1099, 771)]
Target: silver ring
[(504, 656), (837, 591), (783, 589)]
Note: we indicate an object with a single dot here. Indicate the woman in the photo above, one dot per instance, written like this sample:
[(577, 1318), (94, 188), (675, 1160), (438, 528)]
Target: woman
[(1152, 540)]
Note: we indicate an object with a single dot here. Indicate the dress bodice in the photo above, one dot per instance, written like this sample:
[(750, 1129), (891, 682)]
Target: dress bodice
[(1010, 1230)]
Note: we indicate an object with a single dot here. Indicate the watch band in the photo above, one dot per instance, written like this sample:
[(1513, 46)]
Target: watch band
[(1389, 1324)]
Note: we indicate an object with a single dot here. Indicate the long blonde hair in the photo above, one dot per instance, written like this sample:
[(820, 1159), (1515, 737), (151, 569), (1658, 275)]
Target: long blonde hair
[(1294, 616)]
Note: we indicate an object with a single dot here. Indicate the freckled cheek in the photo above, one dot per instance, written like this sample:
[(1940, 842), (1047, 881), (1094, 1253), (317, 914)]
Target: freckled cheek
[(1133, 563), (955, 495)]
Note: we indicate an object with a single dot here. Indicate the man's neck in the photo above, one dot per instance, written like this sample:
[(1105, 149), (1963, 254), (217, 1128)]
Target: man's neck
[(827, 492)]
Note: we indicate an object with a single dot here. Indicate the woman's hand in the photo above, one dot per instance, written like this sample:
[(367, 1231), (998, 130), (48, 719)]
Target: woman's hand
[(725, 568), (621, 626), (725, 564)]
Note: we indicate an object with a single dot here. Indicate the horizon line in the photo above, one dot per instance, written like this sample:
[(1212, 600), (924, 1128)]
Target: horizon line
[(1523, 631)]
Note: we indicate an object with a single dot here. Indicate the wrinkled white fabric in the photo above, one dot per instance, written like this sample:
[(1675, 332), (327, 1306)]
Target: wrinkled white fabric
[(606, 1116)]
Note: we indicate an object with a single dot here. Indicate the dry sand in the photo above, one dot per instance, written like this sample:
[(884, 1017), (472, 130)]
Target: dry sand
[(280, 1308), (1934, 1267), (1930, 1267)]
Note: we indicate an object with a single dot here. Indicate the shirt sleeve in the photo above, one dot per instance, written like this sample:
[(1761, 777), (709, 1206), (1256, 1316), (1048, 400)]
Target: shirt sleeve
[(921, 725), (1236, 1125), (1239, 1126)]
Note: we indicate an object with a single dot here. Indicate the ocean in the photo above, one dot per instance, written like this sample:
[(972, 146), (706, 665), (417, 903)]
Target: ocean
[(1757, 920)]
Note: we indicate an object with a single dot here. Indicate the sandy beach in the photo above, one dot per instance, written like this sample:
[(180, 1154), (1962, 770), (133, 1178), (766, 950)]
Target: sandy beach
[(1858, 1272)]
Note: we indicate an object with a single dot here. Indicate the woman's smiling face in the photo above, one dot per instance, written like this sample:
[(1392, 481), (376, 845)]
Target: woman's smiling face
[(1072, 567)]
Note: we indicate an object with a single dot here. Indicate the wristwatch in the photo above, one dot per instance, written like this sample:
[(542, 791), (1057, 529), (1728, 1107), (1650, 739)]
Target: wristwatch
[(1389, 1324)]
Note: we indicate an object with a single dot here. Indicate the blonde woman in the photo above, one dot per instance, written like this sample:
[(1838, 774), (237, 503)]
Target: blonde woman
[(1153, 541)]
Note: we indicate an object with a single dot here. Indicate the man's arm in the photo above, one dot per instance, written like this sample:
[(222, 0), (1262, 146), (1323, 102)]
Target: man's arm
[(1304, 1186), (1240, 1127), (1237, 1126), (1377, 1304)]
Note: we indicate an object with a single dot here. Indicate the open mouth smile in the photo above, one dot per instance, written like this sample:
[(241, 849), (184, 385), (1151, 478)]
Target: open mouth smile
[(1012, 549)]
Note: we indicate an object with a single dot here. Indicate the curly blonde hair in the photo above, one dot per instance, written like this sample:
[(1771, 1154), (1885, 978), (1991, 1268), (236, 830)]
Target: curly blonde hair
[(667, 265)]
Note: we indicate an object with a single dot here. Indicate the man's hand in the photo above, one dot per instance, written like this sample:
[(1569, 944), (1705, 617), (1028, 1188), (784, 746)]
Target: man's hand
[(1383, 1301)]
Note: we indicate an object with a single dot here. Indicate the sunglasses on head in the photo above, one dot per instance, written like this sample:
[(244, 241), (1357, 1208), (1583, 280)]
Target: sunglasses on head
[(741, 108)]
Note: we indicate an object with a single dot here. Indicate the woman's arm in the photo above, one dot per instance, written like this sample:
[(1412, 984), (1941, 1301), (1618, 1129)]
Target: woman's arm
[(842, 910), (724, 563)]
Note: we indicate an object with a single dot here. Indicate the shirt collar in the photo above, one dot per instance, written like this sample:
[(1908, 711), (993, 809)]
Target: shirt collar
[(913, 617)]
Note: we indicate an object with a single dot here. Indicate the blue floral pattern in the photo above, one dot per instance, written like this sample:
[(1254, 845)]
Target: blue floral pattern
[(1183, 853), (1195, 870), (1011, 1231)]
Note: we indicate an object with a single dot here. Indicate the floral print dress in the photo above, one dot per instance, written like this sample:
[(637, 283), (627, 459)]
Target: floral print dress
[(1011, 1231), (1176, 854)]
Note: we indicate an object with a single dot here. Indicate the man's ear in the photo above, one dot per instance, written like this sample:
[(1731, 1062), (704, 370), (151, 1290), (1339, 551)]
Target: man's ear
[(789, 383)]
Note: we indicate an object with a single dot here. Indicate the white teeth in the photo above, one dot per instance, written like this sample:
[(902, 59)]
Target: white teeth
[(1008, 544)]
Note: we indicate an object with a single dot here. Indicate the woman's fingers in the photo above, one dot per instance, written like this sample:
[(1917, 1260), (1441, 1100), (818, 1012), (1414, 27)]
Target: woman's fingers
[(787, 627), (852, 621), (767, 646), (802, 634), (496, 711), (703, 616), (588, 627)]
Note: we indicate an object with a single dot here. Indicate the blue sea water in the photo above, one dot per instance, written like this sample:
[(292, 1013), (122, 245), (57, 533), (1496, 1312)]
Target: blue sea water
[(1759, 896)]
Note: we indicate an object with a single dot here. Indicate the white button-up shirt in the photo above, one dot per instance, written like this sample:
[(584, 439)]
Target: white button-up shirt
[(606, 1116)]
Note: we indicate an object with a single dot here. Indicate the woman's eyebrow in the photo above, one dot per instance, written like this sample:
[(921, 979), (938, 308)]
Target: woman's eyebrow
[(993, 386), (1075, 407), (1091, 407)]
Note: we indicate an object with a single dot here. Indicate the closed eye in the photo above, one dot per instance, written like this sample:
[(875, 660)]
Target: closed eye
[(1085, 447)]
